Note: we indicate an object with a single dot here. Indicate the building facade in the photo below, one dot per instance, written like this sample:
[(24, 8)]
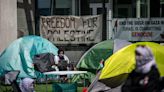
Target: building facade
[(28, 13), (8, 22)]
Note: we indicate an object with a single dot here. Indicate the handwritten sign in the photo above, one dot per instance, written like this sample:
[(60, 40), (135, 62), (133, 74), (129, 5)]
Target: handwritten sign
[(71, 29)]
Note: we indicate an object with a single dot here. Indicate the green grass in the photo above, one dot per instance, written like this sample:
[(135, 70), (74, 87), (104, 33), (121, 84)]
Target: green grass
[(38, 88), (5, 88), (42, 88)]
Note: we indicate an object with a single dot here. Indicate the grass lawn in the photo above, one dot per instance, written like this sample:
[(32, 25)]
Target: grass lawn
[(42, 88), (38, 88)]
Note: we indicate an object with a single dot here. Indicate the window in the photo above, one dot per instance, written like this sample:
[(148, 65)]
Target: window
[(123, 8), (44, 7), (144, 9), (56, 7), (162, 8)]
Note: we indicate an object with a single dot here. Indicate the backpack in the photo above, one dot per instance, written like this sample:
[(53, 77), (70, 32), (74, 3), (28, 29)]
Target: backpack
[(43, 62)]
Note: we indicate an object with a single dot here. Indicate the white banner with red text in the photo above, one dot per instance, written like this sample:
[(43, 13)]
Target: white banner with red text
[(138, 29)]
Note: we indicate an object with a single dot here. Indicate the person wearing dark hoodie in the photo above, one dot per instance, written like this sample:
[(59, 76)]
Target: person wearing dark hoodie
[(145, 77)]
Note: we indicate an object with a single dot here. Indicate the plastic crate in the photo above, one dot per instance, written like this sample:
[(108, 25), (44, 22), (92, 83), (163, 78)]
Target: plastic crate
[(64, 87)]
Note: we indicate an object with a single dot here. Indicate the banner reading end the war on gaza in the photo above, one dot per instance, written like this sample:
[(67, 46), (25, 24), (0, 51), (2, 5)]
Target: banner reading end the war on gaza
[(71, 29), (138, 29)]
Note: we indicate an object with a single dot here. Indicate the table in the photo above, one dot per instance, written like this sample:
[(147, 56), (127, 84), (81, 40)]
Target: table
[(63, 73)]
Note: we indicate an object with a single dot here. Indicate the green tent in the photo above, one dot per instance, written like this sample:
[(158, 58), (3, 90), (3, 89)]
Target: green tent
[(91, 61), (19, 54), (120, 64)]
